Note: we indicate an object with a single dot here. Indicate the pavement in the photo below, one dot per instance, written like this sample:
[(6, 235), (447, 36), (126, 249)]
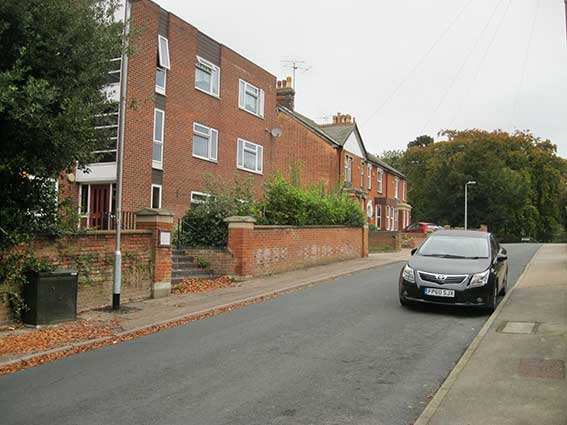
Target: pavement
[(340, 352), (142, 315), (513, 373)]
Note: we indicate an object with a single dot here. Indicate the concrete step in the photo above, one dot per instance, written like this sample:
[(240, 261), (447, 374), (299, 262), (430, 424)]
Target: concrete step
[(183, 262), (187, 272), (176, 280)]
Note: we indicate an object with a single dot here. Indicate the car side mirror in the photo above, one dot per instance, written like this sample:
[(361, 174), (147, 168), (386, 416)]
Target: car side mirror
[(413, 251), (501, 257)]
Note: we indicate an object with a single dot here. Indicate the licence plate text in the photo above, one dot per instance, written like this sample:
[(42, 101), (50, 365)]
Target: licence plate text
[(436, 292)]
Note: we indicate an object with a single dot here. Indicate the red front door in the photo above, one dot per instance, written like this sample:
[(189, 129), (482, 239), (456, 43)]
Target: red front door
[(100, 207)]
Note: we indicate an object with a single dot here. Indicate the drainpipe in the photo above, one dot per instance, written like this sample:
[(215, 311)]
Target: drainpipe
[(116, 286)]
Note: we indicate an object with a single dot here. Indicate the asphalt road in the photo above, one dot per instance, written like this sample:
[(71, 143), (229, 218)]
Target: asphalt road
[(343, 352)]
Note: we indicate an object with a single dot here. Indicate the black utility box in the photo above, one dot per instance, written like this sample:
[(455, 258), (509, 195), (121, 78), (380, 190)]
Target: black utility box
[(50, 297)]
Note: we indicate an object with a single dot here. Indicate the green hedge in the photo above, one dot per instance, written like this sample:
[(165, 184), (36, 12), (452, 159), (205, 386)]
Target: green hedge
[(284, 204)]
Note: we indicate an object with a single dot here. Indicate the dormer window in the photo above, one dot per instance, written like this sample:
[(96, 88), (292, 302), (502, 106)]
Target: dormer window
[(207, 77)]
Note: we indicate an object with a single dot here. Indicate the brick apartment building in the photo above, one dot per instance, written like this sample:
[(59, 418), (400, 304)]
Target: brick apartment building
[(334, 154), (196, 109)]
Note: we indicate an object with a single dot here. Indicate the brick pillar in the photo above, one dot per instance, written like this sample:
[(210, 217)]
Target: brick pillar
[(364, 241), (160, 222), (240, 240), (483, 228)]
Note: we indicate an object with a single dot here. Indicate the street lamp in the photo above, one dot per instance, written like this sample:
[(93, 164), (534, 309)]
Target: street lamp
[(466, 201)]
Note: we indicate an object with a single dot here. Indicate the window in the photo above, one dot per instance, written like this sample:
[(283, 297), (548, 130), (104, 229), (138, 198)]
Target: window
[(84, 192), (198, 198), (207, 77), (348, 169), (396, 188), (156, 196), (251, 98), (163, 52), (380, 178), (157, 154), (161, 76), (369, 176), (250, 156), (362, 174), (404, 190), (378, 216), (205, 142), (369, 210)]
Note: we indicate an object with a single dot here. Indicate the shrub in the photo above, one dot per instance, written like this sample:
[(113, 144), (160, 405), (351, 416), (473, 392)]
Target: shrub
[(288, 204), (203, 225)]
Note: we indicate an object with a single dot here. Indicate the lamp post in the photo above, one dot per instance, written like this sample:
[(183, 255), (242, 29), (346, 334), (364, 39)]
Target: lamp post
[(117, 275), (466, 201)]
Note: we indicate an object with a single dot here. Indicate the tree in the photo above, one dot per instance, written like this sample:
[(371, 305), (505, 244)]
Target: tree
[(54, 64), (521, 183), (393, 158), (421, 142)]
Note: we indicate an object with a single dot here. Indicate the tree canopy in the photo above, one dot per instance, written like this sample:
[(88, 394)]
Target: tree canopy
[(421, 142), (521, 183), (54, 63)]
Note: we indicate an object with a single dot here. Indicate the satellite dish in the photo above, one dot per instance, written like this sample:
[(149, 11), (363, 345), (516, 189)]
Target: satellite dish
[(276, 132)]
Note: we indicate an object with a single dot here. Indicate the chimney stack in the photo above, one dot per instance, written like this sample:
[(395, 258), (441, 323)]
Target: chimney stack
[(341, 119), (285, 94)]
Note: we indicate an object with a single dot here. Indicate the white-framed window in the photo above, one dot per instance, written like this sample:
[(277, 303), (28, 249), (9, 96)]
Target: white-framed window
[(205, 142), (251, 98), (161, 80), (389, 218), (396, 219), (348, 169), (379, 179), (396, 188), (378, 216), (207, 77), (369, 176), (250, 156), (369, 209), (198, 198), (362, 175), (163, 52), (157, 152), (155, 200)]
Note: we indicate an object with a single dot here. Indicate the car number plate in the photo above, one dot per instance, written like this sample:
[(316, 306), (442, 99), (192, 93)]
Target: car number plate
[(436, 292)]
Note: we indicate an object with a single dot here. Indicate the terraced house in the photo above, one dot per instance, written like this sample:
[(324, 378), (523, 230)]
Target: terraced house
[(334, 154), (197, 109)]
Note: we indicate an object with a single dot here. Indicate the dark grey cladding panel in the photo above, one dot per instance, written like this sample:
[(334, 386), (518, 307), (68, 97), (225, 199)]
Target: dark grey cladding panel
[(160, 101), (157, 176), (163, 22), (208, 49)]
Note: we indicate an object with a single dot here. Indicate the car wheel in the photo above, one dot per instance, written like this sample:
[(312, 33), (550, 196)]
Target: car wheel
[(493, 302)]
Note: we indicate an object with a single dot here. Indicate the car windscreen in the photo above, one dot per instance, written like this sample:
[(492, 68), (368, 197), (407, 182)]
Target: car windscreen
[(449, 246)]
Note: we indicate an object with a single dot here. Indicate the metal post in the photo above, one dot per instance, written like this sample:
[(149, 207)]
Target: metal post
[(467, 203), (120, 164)]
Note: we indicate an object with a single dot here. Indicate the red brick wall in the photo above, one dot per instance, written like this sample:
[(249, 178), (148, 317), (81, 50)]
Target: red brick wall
[(92, 255), (413, 240), (261, 250), (379, 241), (5, 316), (220, 260), (299, 148)]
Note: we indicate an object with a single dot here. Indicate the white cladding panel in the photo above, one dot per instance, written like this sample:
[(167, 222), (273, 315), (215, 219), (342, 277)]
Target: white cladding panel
[(100, 173), (352, 145)]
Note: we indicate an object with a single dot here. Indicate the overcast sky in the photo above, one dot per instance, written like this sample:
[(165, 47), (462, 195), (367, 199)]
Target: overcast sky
[(407, 67)]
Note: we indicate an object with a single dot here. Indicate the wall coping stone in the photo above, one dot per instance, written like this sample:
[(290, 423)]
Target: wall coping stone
[(328, 226), (239, 219)]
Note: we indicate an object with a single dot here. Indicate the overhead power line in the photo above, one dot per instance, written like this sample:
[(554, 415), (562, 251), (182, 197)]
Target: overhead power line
[(418, 63), (479, 66), (525, 64), (462, 67)]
